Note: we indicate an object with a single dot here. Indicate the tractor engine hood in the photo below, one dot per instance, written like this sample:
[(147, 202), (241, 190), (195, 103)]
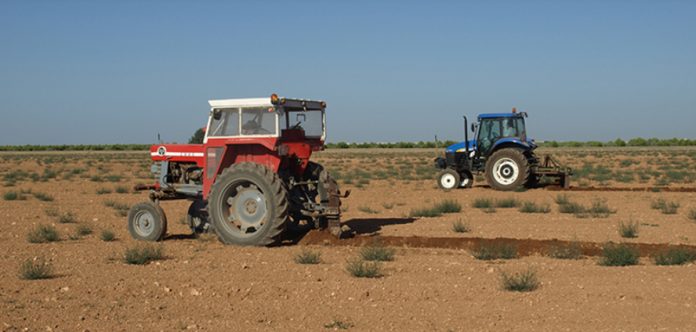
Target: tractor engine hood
[(461, 146)]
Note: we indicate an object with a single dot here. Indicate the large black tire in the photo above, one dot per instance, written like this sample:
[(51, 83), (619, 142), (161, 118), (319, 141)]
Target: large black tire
[(197, 217), (248, 205), (507, 169), (448, 179), (147, 222)]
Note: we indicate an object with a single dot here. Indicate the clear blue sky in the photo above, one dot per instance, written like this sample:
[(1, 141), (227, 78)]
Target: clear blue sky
[(122, 71)]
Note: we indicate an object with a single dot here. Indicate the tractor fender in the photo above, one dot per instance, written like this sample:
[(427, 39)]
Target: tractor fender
[(512, 142)]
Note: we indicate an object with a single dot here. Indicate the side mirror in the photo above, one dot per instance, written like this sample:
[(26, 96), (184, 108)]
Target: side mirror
[(217, 114), (473, 127)]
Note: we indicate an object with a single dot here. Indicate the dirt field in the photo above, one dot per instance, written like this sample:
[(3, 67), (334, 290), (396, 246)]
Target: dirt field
[(430, 285)]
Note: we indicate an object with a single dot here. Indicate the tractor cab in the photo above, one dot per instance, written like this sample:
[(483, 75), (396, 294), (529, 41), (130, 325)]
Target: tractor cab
[(498, 128), (501, 151)]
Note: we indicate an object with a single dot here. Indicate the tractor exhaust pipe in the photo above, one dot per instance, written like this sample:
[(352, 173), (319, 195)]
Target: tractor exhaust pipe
[(466, 136)]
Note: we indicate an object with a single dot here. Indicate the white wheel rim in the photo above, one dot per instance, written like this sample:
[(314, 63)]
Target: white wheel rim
[(505, 171), (448, 181)]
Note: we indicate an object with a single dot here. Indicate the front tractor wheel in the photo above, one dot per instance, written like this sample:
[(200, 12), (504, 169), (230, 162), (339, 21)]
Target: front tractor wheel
[(507, 169), (448, 179), (248, 205), (147, 222)]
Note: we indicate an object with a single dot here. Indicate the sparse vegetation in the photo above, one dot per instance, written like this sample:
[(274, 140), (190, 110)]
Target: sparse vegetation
[(83, 230), (307, 256), (531, 207), (107, 236), (665, 207), (692, 214), (495, 251), (377, 252), (36, 268), (507, 203), (122, 190), (483, 203), (618, 255), (525, 281), (43, 234), (42, 196), (143, 254), (67, 218), (103, 191), (11, 196), (675, 256), (446, 206), (460, 227), (367, 209), (628, 230), (571, 251), (363, 269), (337, 324)]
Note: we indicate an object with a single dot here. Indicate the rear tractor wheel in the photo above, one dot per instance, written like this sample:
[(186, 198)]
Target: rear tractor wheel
[(507, 169), (248, 205), (147, 222)]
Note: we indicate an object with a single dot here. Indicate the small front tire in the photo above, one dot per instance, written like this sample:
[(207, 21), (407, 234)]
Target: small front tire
[(147, 222), (448, 179)]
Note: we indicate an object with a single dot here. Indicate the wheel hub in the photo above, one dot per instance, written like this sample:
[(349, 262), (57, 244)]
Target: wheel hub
[(247, 210), (144, 223), (448, 181), (505, 171)]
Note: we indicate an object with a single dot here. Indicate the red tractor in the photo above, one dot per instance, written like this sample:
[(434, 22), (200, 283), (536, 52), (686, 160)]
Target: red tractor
[(252, 177)]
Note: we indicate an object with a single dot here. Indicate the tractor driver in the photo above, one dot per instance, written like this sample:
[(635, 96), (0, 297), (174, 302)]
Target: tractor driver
[(509, 129), (253, 126)]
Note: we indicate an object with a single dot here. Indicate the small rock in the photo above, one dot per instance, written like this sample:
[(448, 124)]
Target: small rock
[(195, 292), (191, 327), (65, 289)]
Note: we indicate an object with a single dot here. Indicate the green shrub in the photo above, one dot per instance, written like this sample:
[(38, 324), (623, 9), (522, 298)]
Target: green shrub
[(618, 255), (11, 196), (362, 269), (338, 325), (495, 251), (526, 281), (102, 191), (562, 199), (692, 214), (665, 207), (600, 209), (308, 257), (425, 213), (531, 207), (483, 203), (506, 203), (367, 209), (51, 212), (83, 230), (37, 268), (377, 252), (675, 256), (629, 230), (122, 190), (107, 236), (448, 206), (67, 218), (43, 234), (460, 227), (570, 251), (571, 208), (43, 196), (143, 254)]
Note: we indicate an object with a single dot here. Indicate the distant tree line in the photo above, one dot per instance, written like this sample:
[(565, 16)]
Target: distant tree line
[(364, 145)]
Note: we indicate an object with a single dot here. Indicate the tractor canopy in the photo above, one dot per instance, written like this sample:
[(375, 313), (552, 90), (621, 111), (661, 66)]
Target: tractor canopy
[(266, 117)]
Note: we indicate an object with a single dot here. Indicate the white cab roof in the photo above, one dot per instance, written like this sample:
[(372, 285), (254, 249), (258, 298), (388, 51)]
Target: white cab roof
[(245, 102)]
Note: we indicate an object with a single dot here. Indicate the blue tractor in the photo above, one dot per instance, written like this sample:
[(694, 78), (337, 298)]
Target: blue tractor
[(501, 151)]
